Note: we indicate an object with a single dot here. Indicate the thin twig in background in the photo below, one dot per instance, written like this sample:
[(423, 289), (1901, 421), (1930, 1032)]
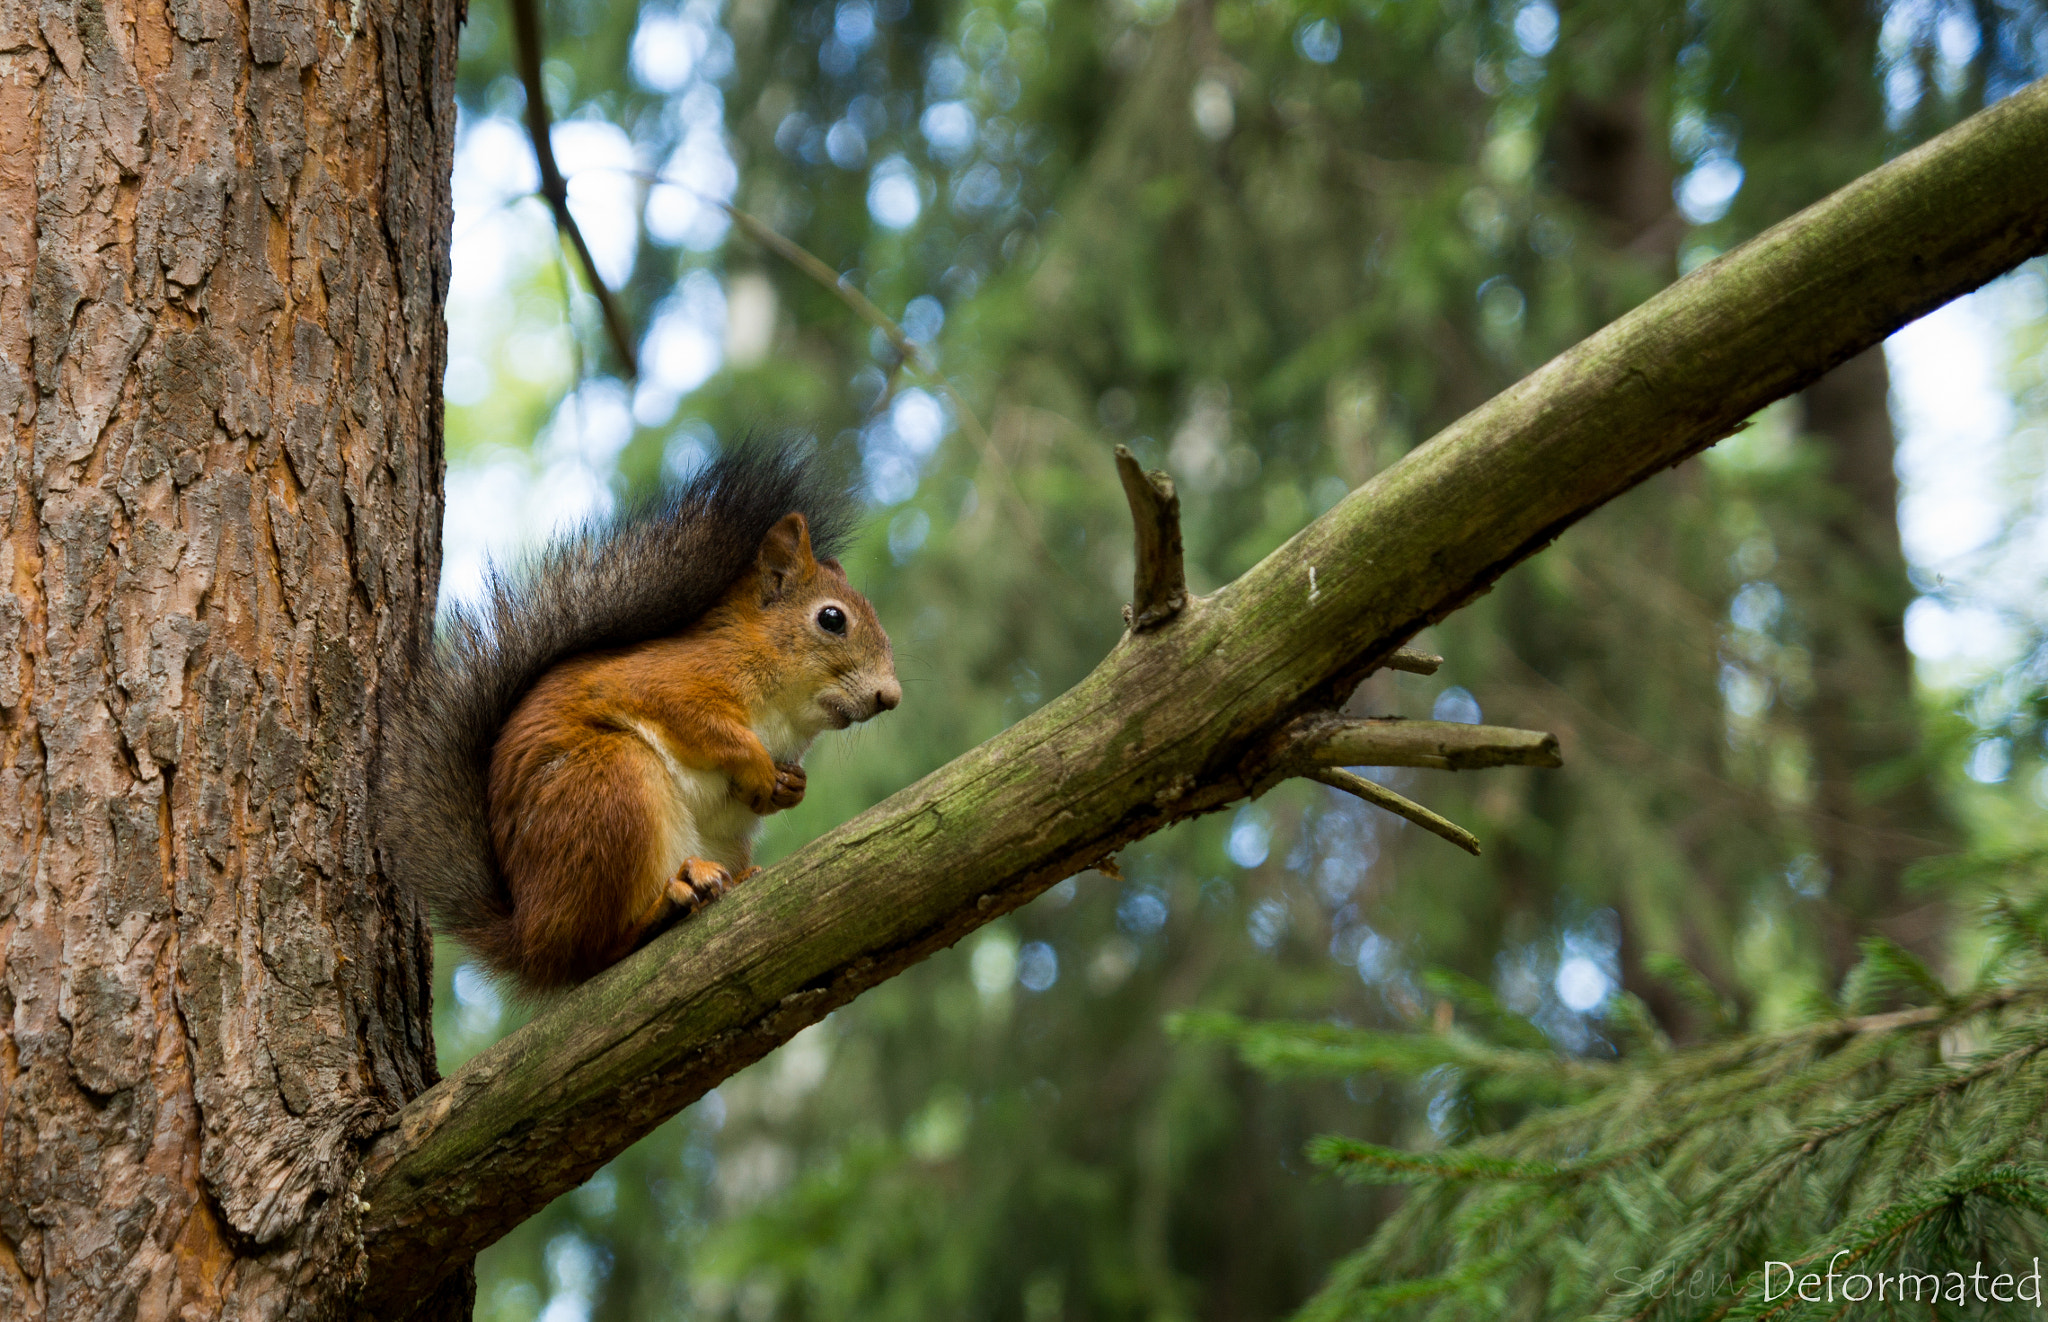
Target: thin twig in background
[(1400, 805), (907, 352), (527, 45)]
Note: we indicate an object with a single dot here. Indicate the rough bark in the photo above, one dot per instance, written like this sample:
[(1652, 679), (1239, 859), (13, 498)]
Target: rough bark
[(223, 250), (1190, 716)]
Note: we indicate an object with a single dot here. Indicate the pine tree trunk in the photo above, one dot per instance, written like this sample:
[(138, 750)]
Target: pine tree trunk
[(223, 251), (1876, 812)]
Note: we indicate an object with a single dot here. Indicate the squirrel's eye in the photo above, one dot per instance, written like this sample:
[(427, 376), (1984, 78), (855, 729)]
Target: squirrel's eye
[(832, 620)]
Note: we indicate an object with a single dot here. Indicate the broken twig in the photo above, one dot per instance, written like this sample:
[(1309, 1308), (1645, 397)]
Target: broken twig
[(1412, 662), (1390, 741), (1160, 586)]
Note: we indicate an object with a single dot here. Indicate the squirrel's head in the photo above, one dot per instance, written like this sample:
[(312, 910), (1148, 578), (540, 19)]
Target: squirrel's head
[(840, 668)]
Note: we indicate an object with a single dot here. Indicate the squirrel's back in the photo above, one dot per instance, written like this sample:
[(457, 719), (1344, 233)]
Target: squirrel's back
[(651, 572)]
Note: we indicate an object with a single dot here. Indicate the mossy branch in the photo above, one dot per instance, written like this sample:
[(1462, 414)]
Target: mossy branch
[(1185, 720)]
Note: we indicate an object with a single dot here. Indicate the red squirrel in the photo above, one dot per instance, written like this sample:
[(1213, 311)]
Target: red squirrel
[(589, 753)]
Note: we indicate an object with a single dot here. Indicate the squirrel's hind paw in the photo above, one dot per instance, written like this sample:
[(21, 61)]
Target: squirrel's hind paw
[(697, 883)]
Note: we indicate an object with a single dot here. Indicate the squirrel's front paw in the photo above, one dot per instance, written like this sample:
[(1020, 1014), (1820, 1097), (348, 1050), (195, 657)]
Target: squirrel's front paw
[(785, 791), (789, 785)]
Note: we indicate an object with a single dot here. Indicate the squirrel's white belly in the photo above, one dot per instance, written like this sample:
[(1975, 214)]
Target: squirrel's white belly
[(705, 819), (716, 825), (700, 815)]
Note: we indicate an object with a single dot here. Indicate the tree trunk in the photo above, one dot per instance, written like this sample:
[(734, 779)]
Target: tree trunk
[(223, 251), (1862, 721), (1874, 806)]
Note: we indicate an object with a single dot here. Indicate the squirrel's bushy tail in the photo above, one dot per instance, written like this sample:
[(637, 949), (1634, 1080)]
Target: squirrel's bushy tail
[(650, 572)]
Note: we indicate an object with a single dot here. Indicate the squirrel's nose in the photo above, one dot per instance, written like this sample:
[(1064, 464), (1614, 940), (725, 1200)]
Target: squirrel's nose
[(887, 695)]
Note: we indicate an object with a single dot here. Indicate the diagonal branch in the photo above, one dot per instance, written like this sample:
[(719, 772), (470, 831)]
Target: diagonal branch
[(526, 42), (1191, 718)]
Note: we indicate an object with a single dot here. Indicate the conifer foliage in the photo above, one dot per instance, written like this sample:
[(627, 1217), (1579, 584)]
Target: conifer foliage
[(1884, 1158)]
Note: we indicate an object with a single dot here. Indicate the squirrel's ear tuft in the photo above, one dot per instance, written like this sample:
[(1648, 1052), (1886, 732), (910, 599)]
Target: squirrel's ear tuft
[(785, 555)]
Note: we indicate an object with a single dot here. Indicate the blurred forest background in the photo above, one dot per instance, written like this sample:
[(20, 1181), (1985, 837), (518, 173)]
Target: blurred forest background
[(1270, 245)]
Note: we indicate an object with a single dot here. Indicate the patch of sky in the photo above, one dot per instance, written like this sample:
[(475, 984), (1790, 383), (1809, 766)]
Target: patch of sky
[(1756, 607), (667, 48), (993, 965), (1346, 846), (600, 167), (689, 448), (837, 58), (575, 1268), (945, 77), (1455, 704), (893, 195), (1319, 40), (980, 189), (1038, 966), (853, 24), (1212, 109), (1375, 957), (1561, 988), (1706, 191), (1746, 694), (1971, 505), (950, 128), (494, 167), (1990, 761), (923, 318), (1141, 910), (1536, 28), (1267, 922), (683, 206), (907, 533), (683, 346), (846, 145), (1807, 876), (895, 445), (1250, 837), (478, 998)]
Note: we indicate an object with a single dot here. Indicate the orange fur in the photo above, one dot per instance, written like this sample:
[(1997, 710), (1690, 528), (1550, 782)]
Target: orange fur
[(625, 782)]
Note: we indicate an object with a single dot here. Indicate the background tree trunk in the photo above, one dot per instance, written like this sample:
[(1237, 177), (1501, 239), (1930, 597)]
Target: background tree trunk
[(1877, 810), (223, 250)]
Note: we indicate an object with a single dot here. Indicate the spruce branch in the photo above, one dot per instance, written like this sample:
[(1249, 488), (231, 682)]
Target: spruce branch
[(1740, 1194), (1369, 1163), (1865, 1239)]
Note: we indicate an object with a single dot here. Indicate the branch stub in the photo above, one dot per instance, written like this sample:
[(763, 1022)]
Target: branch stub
[(1160, 587)]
